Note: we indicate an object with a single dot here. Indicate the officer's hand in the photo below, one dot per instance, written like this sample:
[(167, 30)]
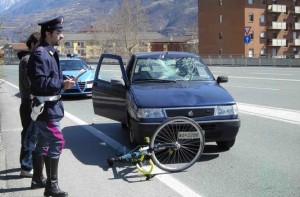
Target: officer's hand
[(68, 84)]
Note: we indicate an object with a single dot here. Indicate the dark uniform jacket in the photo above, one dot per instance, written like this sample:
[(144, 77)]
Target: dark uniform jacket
[(46, 79), (24, 82)]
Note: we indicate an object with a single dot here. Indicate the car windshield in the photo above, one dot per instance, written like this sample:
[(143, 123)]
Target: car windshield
[(174, 69), (68, 65)]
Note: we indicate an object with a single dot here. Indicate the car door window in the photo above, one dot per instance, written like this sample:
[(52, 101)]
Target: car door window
[(110, 70)]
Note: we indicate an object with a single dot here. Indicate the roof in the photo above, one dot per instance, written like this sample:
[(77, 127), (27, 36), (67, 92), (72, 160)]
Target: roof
[(106, 36), (16, 46), (180, 39)]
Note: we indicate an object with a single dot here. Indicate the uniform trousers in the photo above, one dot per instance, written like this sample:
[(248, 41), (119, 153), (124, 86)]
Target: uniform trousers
[(50, 139), (28, 135)]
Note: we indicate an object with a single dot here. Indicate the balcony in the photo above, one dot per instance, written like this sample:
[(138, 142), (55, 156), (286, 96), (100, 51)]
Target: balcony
[(296, 42), (275, 8), (278, 25), (297, 26), (277, 42), (296, 10)]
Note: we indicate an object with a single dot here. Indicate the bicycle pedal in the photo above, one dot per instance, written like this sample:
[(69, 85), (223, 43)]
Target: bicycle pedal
[(149, 176)]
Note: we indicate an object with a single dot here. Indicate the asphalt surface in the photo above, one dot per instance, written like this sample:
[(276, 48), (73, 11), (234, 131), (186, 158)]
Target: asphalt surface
[(76, 165), (263, 162)]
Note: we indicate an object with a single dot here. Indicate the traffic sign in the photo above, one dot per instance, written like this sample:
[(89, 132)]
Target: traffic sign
[(247, 29), (247, 39)]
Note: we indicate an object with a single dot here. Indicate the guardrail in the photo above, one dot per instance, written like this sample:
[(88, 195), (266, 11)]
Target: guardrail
[(234, 61)]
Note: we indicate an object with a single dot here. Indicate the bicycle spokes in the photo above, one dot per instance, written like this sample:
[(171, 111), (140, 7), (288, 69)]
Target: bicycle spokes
[(177, 144)]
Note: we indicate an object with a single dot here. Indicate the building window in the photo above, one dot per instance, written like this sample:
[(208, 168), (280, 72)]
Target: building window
[(220, 35), (262, 51), (251, 35), (251, 17), (295, 50), (250, 1), (263, 2), (220, 51), (262, 35), (294, 35), (262, 18), (81, 52), (220, 2), (294, 2), (274, 1), (68, 44), (221, 18), (274, 52), (80, 44), (251, 52)]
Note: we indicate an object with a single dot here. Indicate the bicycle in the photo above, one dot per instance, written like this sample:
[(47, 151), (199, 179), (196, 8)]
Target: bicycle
[(175, 146)]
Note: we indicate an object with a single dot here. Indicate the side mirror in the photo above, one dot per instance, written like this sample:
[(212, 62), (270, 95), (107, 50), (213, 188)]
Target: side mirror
[(222, 79)]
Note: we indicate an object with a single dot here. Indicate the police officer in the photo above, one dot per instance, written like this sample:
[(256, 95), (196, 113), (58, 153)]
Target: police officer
[(28, 133), (47, 82)]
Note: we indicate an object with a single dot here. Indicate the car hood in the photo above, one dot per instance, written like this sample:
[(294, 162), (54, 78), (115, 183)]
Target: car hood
[(87, 76), (180, 94)]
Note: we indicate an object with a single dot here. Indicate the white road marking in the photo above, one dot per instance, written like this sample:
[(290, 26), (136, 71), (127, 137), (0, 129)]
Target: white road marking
[(271, 74), (285, 115), (17, 87), (171, 182), (252, 87), (271, 79)]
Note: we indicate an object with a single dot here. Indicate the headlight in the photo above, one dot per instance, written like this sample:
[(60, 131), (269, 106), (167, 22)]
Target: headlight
[(150, 113), (225, 110)]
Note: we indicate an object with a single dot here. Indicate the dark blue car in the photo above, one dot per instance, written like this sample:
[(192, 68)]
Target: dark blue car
[(155, 86)]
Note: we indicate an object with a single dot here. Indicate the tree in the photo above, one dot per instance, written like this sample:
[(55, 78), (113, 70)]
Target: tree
[(124, 28)]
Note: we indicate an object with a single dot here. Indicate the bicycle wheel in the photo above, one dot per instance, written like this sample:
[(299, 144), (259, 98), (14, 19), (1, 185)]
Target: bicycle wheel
[(177, 144)]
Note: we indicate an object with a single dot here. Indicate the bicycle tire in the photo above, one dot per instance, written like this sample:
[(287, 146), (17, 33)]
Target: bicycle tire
[(189, 139)]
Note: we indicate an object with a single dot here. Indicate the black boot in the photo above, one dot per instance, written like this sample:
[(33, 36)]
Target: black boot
[(52, 188), (38, 179)]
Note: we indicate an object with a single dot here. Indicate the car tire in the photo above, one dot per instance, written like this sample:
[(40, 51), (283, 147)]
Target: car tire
[(131, 133), (225, 145)]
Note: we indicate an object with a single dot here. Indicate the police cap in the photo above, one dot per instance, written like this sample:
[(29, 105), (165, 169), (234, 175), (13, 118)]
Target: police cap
[(52, 24)]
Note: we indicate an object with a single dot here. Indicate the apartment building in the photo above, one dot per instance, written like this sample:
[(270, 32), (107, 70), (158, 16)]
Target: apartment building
[(90, 45), (272, 25)]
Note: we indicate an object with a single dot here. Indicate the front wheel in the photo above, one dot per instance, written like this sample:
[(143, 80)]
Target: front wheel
[(177, 144)]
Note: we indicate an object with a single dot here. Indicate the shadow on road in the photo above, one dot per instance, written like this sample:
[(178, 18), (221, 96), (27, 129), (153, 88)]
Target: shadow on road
[(91, 150), (9, 174)]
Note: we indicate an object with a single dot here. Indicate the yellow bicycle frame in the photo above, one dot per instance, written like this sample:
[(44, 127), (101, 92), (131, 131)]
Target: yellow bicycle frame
[(145, 172)]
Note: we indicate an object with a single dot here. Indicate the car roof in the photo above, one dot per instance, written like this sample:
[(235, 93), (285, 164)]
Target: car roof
[(169, 54)]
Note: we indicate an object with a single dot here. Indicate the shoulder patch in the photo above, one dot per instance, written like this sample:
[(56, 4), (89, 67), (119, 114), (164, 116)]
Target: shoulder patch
[(38, 50)]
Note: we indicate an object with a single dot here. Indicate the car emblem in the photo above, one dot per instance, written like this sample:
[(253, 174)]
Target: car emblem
[(190, 114)]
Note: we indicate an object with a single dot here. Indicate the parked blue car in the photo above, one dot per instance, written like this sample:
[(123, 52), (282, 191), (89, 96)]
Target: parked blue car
[(72, 67), (155, 86)]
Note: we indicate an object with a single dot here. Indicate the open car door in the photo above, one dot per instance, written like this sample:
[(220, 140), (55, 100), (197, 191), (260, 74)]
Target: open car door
[(110, 88)]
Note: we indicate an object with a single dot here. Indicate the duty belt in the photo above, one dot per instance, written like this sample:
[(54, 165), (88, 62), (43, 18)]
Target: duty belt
[(38, 103)]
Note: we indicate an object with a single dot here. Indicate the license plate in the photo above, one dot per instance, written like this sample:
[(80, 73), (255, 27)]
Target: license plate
[(188, 135)]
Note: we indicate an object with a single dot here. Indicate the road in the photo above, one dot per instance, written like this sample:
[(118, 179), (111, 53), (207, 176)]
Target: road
[(263, 162)]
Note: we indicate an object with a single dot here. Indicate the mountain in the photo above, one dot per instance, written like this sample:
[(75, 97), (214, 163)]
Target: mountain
[(164, 16), (6, 4)]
